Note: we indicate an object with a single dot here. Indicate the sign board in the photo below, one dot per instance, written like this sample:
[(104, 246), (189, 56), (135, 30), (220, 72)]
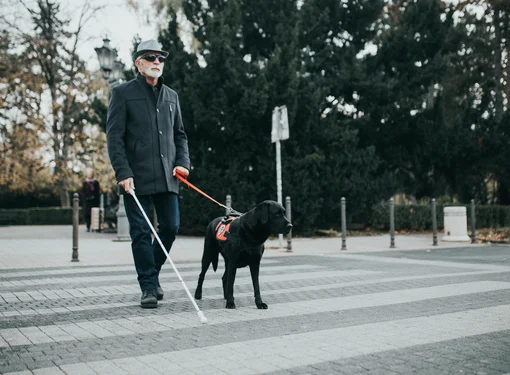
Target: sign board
[(280, 129)]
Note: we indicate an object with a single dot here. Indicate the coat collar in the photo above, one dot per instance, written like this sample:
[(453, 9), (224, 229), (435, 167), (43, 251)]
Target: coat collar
[(141, 78)]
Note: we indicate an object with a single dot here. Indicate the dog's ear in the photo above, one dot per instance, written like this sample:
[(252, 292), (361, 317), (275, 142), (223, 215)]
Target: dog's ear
[(263, 212), (250, 218)]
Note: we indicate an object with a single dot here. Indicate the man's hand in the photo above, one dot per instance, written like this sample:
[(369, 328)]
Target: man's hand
[(128, 184), (181, 170)]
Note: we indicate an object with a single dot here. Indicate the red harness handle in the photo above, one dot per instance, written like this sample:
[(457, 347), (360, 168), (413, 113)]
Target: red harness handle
[(183, 179)]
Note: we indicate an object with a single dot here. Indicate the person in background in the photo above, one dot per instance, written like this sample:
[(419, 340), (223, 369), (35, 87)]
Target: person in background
[(91, 195)]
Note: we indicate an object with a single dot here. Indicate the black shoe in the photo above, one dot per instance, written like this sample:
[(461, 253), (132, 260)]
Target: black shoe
[(159, 293), (149, 299)]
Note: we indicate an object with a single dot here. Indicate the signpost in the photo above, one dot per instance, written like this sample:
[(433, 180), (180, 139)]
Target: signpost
[(279, 132)]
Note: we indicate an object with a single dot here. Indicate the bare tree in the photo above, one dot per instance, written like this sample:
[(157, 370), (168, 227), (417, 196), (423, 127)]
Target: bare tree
[(20, 103), (52, 47)]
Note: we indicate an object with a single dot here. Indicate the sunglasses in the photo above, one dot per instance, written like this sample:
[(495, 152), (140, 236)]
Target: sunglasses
[(153, 58)]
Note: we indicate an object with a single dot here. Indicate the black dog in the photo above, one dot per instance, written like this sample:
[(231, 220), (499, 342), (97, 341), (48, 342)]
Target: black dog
[(240, 240)]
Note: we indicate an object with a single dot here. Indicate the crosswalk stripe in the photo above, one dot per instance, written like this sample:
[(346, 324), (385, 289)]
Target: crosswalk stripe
[(77, 270), (284, 290), (328, 345), (68, 293), (436, 263), (145, 324), (106, 278)]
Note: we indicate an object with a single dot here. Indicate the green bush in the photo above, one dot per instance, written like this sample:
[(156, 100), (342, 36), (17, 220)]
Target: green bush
[(43, 197), (38, 216), (419, 217)]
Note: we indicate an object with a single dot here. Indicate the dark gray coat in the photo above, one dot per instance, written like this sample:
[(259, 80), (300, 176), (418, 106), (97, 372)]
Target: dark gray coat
[(146, 138)]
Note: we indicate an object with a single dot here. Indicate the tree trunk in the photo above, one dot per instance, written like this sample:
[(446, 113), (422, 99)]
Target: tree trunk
[(63, 190), (61, 178)]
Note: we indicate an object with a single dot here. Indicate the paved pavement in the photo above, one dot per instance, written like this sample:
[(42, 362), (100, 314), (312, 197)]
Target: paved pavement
[(368, 310)]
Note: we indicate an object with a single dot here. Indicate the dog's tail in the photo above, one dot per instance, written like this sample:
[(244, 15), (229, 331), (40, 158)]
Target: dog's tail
[(211, 247), (215, 258)]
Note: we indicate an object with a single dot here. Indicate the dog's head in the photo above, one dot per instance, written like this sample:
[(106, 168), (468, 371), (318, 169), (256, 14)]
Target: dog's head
[(273, 215)]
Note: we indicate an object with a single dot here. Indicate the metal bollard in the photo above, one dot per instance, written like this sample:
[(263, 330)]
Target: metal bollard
[(122, 222), (76, 223), (392, 223), (228, 203), (344, 224), (101, 212), (473, 222), (289, 216), (434, 223)]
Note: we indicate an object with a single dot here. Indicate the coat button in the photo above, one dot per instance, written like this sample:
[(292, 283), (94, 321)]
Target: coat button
[(162, 156), (160, 132), (157, 110)]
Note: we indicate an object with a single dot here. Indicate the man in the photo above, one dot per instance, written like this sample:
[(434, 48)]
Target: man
[(147, 145)]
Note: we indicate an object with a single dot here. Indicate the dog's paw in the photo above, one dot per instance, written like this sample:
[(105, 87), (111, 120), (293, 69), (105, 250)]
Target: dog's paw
[(261, 305), (198, 295), (230, 305)]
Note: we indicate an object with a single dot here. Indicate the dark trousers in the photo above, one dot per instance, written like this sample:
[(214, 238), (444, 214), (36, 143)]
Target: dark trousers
[(88, 216), (147, 254)]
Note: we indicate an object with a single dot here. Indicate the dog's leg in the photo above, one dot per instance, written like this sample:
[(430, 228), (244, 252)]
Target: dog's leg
[(231, 276), (254, 271), (206, 261), (201, 277), (224, 280)]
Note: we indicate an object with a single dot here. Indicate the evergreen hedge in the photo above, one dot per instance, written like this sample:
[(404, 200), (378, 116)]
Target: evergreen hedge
[(41, 197), (38, 216), (407, 217)]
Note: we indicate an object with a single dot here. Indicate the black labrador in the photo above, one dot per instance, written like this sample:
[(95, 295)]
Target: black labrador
[(240, 240)]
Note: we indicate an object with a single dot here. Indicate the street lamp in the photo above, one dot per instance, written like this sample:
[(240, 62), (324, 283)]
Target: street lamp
[(113, 74), (112, 69), (118, 71)]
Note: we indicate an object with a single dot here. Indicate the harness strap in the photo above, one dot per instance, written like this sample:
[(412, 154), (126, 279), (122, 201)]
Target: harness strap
[(183, 179)]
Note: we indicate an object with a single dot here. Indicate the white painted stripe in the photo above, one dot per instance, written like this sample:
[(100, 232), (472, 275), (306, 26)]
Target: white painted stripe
[(13, 337), (109, 279), (79, 270), (3, 343), (146, 324), (290, 289), (57, 294), (435, 263), (305, 349), (35, 335)]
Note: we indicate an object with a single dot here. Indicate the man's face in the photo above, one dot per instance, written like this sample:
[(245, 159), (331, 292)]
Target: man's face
[(150, 64)]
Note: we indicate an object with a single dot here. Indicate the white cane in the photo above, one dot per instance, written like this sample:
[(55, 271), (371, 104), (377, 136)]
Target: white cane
[(200, 313)]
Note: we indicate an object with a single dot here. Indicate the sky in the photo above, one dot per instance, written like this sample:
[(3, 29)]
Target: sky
[(118, 21)]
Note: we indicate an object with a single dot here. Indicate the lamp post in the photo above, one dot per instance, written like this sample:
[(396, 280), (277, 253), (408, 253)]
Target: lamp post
[(112, 69), (113, 73)]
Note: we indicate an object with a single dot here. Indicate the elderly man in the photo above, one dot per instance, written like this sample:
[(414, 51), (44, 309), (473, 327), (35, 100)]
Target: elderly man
[(147, 144)]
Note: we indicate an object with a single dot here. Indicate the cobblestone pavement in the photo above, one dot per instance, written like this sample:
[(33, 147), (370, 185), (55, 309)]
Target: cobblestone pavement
[(440, 311)]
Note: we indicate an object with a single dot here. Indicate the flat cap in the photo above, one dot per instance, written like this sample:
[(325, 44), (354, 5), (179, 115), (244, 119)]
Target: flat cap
[(149, 46)]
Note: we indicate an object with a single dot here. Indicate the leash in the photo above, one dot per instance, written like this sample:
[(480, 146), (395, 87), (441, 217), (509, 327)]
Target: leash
[(230, 210)]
